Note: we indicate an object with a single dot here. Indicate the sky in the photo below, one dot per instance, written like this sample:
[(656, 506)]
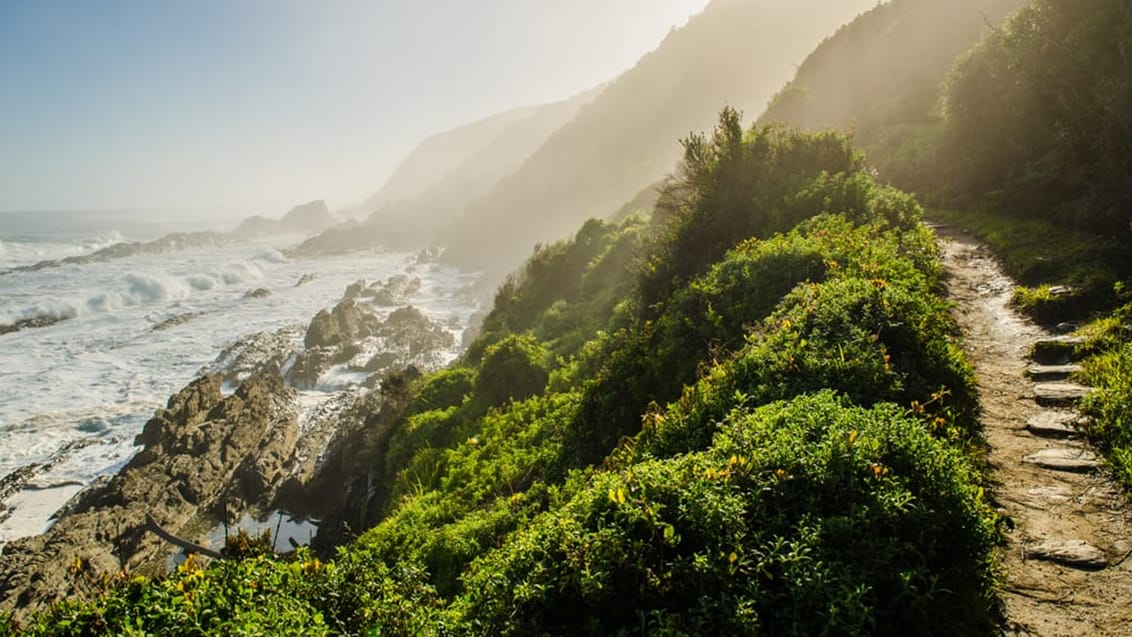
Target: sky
[(252, 106)]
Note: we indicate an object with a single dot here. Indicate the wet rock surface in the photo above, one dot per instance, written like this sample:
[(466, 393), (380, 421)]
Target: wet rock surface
[(258, 293), (255, 352), (31, 323), (174, 321)]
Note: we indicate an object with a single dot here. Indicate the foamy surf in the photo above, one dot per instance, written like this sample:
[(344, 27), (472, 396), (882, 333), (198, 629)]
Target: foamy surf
[(98, 375)]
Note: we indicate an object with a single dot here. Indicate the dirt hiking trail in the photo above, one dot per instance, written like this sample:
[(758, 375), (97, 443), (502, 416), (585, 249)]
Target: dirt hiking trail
[(1065, 567)]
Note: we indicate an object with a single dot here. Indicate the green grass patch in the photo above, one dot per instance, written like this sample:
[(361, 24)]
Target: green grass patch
[(1042, 256)]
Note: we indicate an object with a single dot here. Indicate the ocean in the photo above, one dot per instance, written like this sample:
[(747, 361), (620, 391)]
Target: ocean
[(77, 392)]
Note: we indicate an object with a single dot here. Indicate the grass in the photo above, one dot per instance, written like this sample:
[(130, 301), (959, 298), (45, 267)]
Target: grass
[(1041, 257)]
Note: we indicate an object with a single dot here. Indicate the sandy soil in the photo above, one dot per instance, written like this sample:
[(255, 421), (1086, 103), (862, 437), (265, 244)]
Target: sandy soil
[(1041, 596)]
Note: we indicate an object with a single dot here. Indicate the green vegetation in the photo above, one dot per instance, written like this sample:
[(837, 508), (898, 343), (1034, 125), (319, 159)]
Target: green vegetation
[(1037, 136), (880, 76), (1023, 139), (747, 415)]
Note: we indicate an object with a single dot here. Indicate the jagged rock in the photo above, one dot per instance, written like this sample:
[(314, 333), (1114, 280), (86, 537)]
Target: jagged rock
[(31, 323), (355, 289), (1073, 553), (201, 448), (394, 290), (310, 364), (1053, 394), (1055, 424), (1044, 373), (348, 321), (305, 279), (174, 321), (255, 352), (1064, 459), (258, 293)]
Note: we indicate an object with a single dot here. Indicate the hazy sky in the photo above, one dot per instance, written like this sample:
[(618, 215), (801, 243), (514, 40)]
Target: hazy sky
[(256, 105)]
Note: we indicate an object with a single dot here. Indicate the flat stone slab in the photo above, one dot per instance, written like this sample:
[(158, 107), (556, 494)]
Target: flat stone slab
[(1055, 424), (1052, 372), (1065, 459), (1060, 393), (1050, 494), (1074, 553)]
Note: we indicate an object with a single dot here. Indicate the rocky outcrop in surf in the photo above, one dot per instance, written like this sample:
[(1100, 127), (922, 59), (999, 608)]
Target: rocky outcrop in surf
[(201, 449), (169, 243), (241, 439)]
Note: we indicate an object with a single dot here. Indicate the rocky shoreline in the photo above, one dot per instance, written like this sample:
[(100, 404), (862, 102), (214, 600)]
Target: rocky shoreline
[(290, 420)]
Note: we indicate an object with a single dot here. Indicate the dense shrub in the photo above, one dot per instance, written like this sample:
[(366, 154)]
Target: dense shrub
[(512, 369), (802, 518), (1036, 117)]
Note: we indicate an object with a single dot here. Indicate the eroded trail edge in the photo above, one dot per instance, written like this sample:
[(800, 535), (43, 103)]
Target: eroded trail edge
[(1065, 567)]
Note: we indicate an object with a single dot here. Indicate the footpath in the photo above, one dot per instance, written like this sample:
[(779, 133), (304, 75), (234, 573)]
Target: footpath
[(1065, 566)]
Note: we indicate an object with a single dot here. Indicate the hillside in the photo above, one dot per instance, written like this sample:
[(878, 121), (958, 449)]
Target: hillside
[(430, 187), (737, 52), (666, 450), (880, 77)]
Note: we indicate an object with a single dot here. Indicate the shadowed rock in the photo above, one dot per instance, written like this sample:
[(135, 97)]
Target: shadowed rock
[(1057, 350), (1055, 424), (1045, 373), (1054, 394)]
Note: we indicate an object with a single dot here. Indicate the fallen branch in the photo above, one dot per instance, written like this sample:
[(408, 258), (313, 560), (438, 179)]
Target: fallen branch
[(189, 547)]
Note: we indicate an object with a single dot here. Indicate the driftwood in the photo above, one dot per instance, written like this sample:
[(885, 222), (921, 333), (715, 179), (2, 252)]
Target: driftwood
[(189, 547)]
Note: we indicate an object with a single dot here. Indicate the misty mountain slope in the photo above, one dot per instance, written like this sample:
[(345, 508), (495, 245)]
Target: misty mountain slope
[(439, 154), (880, 76), (434, 182), (737, 52)]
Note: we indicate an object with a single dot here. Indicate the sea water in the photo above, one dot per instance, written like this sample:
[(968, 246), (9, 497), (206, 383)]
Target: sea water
[(90, 382)]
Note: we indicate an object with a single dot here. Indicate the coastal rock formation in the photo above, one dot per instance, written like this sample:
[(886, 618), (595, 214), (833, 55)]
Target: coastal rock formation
[(241, 439), (169, 243), (201, 449), (306, 220), (255, 352)]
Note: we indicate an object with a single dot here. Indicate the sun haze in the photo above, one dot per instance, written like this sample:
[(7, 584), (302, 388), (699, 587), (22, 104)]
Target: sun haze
[(254, 106)]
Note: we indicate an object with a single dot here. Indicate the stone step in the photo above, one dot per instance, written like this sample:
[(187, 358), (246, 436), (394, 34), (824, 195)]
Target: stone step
[(1056, 424), (1055, 394), (1056, 350), (1074, 553), (1042, 373), (1064, 459)]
